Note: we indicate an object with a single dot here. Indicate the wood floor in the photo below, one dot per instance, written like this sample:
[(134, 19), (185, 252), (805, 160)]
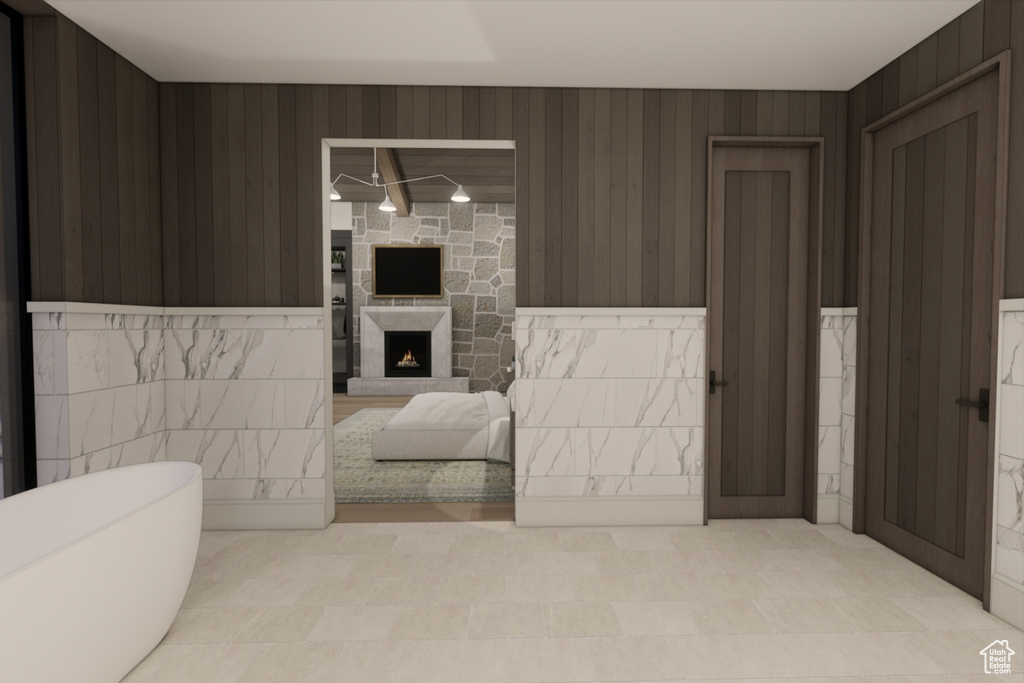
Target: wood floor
[(344, 406)]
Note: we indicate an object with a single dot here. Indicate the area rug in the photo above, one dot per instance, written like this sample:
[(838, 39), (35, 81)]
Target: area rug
[(358, 478)]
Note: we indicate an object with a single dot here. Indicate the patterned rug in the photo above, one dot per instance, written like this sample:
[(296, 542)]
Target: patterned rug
[(358, 478)]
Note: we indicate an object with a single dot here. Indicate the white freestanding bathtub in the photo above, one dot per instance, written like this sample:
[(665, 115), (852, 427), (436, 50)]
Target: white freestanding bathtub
[(93, 570)]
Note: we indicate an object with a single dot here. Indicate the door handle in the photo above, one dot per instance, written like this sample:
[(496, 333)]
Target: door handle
[(712, 383), (981, 404)]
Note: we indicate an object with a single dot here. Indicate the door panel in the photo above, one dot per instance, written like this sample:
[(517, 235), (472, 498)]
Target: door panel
[(932, 213), (758, 331)]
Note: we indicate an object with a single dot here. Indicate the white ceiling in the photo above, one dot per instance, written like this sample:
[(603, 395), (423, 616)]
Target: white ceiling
[(729, 44)]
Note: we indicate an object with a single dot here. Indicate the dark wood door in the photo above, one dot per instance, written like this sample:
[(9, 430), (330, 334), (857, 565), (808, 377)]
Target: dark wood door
[(930, 302), (757, 333)]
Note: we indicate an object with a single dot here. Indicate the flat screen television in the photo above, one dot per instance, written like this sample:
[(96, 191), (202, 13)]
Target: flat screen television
[(408, 270)]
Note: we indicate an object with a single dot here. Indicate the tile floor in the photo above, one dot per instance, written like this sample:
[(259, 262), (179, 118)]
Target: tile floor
[(486, 601)]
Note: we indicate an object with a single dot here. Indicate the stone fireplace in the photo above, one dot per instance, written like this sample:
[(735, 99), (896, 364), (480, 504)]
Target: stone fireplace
[(389, 334)]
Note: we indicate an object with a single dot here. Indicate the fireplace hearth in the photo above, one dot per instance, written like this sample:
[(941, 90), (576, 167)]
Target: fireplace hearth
[(406, 354)]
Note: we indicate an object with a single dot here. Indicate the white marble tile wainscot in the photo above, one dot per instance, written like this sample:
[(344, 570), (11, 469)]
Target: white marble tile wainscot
[(836, 387), (238, 390), (609, 416), (1007, 599), (99, 390)]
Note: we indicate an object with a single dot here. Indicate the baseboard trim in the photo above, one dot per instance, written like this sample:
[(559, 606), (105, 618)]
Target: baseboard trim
[(1006, 601), (618, 511), (233, 515), (828, 509)]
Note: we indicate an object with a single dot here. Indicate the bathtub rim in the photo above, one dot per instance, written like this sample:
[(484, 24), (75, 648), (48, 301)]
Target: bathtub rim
[(197, 473)]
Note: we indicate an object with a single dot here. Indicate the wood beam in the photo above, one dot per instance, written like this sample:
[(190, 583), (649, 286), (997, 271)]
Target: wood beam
[(389, 173)]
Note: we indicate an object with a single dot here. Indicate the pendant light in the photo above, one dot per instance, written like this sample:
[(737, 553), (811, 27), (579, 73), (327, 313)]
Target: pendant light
[(460, 195), (387, 204), (335, 197)]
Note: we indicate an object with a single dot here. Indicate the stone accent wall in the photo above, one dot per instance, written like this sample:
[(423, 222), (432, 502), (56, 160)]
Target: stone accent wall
[(479, 278)]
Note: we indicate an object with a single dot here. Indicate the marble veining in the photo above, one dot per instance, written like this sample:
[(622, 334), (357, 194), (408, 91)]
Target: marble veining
[(1013, 348), (588, 353), (1010, 494)]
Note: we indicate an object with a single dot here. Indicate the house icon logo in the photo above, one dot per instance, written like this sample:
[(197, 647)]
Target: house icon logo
[(997, 657)]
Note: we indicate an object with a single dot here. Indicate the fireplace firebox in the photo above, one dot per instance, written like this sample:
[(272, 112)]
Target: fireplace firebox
[(407, 354)]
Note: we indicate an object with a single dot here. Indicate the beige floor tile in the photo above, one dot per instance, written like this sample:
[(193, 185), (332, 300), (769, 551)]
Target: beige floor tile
[(798, 655), (267, 543), (655, 618), (392, 661), (549, 660), (471, 590), (606, 588), (795, 538), (688, 539), (429, 622), (634, 659), (259, 567), (803, 616), (367, 544), (397, 564), (329, 592), (523, 620), (478, 543), (804, 584), (404, 528), (429, 543), (212, 566), (279, 625), (735, 586), (195, 664), (875, 614), (928, 585), (505, 564), (749, 539), (670, 587), (268, 593), (875, 558), (580, 620), (539, 542), (445, 564), (464, 661), (876, 584), (805, 559), (744, 560), (404, 590), (211, 544), (643, 540), (889, 654), (847, 539), (601, 541), (957, 652), (210, 593), (729, 617), (950, 614), (292, 662), (566, 563), (717, 657), (633, 562), (538, 589), (354, 622), (686, 562), (320, 566), (207, 624)]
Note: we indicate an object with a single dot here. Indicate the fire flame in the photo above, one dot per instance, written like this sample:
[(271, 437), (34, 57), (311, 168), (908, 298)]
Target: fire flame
[(408, 361)]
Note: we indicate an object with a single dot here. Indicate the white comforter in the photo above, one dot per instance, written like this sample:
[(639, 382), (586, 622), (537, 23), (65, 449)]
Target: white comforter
[(487, 411)]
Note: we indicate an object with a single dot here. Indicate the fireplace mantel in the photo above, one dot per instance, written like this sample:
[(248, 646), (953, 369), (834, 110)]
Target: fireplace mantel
[(374, 321)]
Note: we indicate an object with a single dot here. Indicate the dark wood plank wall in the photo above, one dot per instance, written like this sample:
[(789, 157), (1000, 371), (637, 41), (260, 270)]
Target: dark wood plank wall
[(610, 183), (982, 32), (94, 169)]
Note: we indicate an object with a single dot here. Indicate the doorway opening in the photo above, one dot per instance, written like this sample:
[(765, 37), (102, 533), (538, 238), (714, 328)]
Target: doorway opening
[(476, 241)]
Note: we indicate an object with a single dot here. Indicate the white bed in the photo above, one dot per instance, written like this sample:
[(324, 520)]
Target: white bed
[(447, 426)]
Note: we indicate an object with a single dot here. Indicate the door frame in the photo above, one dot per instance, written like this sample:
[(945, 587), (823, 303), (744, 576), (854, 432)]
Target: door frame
[(816, 147), (1000, 63)]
